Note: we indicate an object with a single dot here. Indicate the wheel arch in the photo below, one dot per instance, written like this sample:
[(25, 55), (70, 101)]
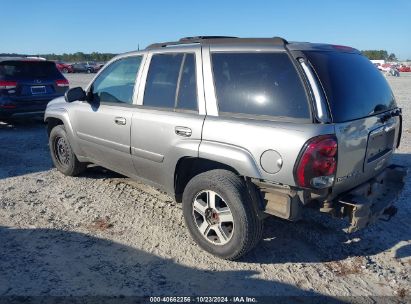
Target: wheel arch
[(59, 116), (188, 167)]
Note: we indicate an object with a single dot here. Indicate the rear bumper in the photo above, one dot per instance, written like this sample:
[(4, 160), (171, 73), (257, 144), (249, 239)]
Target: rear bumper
[(373, 200), (27, 112), (16, 108)]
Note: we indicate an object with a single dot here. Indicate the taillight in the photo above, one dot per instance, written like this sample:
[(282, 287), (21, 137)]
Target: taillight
[(8, 84), (62, 83), (318, 163)]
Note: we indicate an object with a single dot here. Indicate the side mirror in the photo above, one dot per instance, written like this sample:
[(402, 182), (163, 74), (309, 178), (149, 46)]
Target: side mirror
[(75, 94)]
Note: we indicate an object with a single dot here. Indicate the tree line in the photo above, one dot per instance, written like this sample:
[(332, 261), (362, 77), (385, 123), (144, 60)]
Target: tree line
[(379, 55), (72, 57), (79, 56)]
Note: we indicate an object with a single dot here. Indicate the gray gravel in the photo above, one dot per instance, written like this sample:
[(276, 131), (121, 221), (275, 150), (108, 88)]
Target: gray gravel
[(103, 234)]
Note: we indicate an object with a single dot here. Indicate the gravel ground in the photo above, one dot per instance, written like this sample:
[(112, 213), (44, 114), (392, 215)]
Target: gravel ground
[(103, 234)]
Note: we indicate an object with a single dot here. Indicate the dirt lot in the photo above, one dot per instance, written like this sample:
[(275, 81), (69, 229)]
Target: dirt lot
[(103, 234)]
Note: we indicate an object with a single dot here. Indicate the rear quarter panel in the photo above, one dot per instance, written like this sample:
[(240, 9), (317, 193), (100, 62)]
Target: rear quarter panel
[(223, 135)]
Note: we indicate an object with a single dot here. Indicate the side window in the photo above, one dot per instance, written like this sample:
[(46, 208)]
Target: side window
[(116, 82), (259, 84), (171, 82), (187, 91)]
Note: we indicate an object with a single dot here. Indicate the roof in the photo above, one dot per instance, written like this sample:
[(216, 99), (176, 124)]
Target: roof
[(20, 58)]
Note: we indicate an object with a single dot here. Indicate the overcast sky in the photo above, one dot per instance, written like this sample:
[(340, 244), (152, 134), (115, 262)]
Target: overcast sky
[(35, 27)]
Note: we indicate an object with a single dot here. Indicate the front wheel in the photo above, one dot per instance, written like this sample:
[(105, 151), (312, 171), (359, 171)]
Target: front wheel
[(62, 154), (219, 214)]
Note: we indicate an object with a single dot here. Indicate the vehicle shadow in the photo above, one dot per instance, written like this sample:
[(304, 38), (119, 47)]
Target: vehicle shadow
[(24, 147), (319, 238), (98, 172), (50, 262)]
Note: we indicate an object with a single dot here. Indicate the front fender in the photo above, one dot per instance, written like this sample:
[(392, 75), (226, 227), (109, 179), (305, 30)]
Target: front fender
[(60, 113)]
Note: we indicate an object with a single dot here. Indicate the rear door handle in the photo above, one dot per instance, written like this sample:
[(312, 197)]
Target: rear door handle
[(183, 131), (120, 120)]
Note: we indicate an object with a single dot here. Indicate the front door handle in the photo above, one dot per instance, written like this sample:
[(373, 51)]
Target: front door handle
[(120, 120), (183, 131)]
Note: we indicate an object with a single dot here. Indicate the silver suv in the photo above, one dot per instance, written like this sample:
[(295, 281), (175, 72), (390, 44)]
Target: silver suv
[(238, 129)]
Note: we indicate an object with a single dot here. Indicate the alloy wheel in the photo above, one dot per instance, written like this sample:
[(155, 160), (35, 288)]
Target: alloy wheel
[(213, 217)]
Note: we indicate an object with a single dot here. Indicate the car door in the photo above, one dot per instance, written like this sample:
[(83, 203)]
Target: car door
[(167, 123), (102, 124)]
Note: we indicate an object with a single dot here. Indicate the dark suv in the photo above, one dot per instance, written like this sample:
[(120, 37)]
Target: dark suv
[(27, 85), (85, 67)]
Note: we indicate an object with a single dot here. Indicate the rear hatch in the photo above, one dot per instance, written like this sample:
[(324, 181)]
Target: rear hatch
[(367, 120), (31, 82)]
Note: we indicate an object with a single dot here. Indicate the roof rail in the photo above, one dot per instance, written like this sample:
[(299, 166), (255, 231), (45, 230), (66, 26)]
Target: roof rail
[(280, 40), (196, 38), (185, 40)]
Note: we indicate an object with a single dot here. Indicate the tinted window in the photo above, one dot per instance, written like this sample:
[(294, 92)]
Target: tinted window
[(187, 92), (116, 82), (162, 78), (259, 84), (29, 70), (354, 87)]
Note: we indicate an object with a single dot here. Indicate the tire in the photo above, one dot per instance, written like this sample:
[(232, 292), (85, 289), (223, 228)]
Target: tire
[(65, 70), (88, 71), (62, 154), (241, 234)]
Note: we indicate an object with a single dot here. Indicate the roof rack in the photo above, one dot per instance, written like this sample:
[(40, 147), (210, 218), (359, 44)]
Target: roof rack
[(185, 40), (197, 38), (200, 39)]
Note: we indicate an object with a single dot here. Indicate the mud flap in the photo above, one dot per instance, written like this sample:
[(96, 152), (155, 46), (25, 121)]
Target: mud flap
[(373, 200)]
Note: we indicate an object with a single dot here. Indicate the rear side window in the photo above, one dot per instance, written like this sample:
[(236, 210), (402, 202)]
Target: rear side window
[(355, 88), (171, 82), (15, 70), (187, 91), (116, 82), (259, 84)]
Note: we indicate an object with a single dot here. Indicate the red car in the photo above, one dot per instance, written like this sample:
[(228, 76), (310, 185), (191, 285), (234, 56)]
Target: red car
[(404, 68), (64, 67)]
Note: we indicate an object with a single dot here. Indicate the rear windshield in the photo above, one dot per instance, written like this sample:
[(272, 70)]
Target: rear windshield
[(263, 84), (28, 69), (355, 88)]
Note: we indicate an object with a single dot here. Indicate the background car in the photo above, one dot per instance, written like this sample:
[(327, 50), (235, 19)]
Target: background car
[(404, 68), (64, 67), (85, 67), (82, 67), (27, 85)]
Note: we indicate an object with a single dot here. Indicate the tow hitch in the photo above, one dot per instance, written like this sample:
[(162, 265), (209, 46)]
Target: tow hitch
[(373, 200)]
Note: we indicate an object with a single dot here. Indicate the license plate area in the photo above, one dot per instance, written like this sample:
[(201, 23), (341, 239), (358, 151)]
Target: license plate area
[(380, 142), (38, 90)]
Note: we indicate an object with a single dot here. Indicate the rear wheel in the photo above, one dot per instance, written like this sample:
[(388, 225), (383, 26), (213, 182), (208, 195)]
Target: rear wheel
[(62, 154), (219, 214)]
